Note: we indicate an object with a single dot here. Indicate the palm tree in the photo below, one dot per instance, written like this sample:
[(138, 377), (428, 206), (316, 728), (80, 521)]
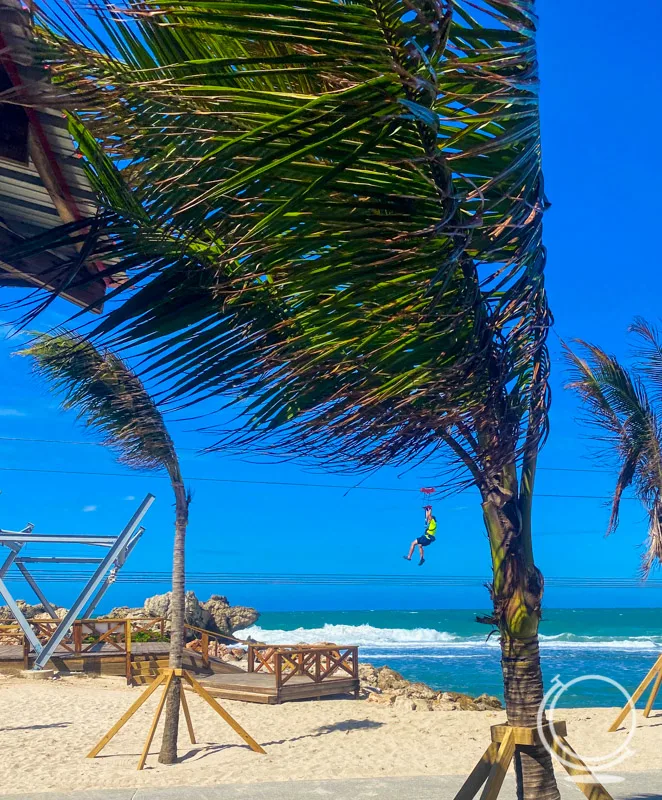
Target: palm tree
[(624, 407), (110, 399), (331, 214)]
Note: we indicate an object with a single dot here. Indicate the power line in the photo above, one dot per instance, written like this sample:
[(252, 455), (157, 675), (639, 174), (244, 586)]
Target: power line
[(248, 482), (197, 450), (293, 579)]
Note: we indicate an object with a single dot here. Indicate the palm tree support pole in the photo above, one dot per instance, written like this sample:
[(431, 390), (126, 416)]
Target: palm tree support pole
[(655, 673), (508, 742), (167, 677)]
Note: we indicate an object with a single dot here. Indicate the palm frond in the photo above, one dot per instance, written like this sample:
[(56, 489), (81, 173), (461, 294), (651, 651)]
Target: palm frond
[(619, 411), (343, 205), (108, 398), (649, 355)]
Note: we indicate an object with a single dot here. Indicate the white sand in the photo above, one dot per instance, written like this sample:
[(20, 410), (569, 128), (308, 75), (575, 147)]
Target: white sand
[(47, 728)]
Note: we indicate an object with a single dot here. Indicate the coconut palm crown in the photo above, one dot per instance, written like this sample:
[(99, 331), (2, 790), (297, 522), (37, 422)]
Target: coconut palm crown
[(111, 400), (623, 408)]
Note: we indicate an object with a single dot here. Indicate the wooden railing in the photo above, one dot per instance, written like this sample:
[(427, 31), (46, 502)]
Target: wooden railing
[(211, 646), (317, 663), (86, 635)]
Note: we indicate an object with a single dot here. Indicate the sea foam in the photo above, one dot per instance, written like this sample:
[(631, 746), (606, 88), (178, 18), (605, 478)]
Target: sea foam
[(429, 638)]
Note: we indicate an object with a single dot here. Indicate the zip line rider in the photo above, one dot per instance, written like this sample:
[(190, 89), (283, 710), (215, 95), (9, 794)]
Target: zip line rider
[(427, 538)]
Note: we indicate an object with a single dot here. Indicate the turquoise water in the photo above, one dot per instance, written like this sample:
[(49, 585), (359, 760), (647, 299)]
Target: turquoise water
[(450, 651)]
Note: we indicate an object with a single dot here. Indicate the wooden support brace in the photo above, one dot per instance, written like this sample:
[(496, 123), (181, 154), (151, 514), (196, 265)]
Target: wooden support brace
[(576, 768), (187, 716), (166, 677), (479, 774), (232, 722), (655, 671), (492, 768), (155, 721), (653, 694), (127, 716), (499, 768)]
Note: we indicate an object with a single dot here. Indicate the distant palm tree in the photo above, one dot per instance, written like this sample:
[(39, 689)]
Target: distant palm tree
[(111, 399), (624, 405)]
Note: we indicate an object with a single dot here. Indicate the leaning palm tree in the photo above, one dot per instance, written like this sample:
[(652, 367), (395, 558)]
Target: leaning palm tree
[(331, 213), (624, 407), (111, 400)]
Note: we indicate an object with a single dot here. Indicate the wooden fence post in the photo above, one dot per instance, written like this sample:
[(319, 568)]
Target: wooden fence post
[(278, 670), (205, 649), (78, 637), (26, 652), (127, 648), (251, 655)]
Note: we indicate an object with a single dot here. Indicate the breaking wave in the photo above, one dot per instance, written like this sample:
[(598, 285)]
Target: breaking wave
[(429, 638)]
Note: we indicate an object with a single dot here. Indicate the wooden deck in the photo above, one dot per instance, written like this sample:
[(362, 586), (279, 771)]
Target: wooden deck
[(260, 687), (105, 659)]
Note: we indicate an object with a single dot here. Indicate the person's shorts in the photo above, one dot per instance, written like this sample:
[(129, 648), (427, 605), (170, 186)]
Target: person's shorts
[(424, 541)]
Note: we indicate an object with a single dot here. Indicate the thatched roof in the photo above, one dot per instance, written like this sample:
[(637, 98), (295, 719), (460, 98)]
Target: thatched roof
[(42, 181)]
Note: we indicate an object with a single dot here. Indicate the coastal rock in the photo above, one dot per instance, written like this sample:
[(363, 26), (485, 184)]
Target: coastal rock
[(30, 611), (124, 612), (386, 686), (388, 679), (403, 703), (227, 619), (420, 691), (159, 606)]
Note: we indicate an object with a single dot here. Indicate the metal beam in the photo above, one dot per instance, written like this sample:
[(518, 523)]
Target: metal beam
[(54, 538), (57, 560), (92, 586), (20, 618), (16, 549), (110, 578), (35, 588)]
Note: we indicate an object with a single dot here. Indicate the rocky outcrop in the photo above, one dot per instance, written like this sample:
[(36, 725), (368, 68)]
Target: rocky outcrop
[(30, 611), (215, 615), (388, 687), (195, 614), (227, 619), (124, 612)]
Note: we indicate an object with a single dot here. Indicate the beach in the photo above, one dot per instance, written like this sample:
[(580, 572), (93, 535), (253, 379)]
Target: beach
[(47, 728)]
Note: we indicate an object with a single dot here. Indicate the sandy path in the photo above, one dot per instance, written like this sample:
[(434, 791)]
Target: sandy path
[(46, 729)]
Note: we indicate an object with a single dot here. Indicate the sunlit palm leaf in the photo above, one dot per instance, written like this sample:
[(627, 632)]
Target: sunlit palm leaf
[(620, 412), (108, 397), (344, 208)]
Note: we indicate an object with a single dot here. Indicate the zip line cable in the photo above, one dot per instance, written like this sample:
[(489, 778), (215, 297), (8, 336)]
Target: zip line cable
[(248, 482)]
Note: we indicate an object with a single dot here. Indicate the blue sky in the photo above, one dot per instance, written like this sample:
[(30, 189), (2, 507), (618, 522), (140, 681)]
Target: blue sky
[(599, 72)]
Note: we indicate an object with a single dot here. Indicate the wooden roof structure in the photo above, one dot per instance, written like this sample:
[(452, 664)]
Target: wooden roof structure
[(42, 180)]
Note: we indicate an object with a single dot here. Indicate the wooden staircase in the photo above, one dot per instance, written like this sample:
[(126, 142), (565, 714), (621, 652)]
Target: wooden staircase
[(145, 668)]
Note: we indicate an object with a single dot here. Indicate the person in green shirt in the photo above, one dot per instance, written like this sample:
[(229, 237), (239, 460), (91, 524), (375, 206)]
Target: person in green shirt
[(428, 538)]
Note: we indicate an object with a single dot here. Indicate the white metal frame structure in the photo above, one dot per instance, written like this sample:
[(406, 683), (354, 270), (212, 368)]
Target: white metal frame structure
[(118, 550)]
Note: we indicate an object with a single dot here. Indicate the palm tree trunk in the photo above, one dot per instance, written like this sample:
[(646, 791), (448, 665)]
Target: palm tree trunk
[(517, 595), (168, 754)]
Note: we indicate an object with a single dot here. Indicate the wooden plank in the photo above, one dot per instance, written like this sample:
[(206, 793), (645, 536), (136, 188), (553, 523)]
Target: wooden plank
[(592, 789), (244, 697), (499, 767), (126, 717), (478, 774), (653, 694), (155, 721), (528, 736), (187, 715), (224, 714), (655, 669)]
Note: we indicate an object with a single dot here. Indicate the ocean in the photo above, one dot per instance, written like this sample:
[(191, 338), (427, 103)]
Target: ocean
[(448, 650)]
